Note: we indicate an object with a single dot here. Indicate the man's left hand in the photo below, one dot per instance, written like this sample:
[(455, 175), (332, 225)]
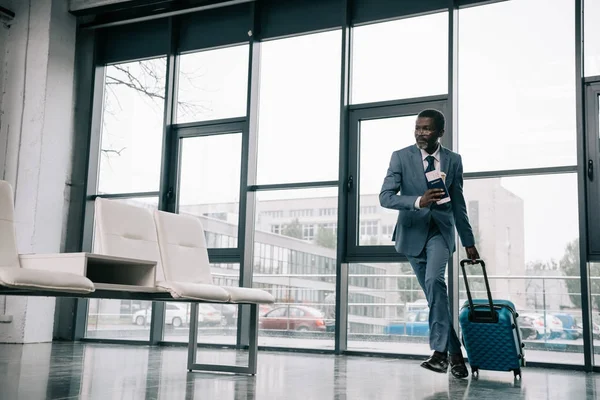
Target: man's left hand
[(472, 253)]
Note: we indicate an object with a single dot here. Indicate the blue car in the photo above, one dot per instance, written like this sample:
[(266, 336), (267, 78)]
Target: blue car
[(416, 324), (571, 328)]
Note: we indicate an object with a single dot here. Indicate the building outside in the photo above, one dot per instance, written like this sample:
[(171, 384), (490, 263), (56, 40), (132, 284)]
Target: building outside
[(295, 253)]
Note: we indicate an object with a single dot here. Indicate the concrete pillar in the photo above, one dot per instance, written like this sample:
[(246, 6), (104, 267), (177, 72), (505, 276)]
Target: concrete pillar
[(37, 129)]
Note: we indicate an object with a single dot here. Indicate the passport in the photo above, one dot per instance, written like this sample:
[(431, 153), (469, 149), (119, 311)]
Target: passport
[(437, 180)]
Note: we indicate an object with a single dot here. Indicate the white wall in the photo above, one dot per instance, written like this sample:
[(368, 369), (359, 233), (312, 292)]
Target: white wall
[(36, 134)]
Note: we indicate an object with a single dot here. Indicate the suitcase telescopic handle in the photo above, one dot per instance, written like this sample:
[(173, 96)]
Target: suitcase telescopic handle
[(487, 287)]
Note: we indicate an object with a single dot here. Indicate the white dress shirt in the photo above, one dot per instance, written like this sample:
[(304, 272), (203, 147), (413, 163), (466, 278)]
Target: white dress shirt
[(436, 164)]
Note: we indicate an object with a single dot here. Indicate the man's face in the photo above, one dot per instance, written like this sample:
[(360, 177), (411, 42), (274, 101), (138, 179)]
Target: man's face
[(426, 133)]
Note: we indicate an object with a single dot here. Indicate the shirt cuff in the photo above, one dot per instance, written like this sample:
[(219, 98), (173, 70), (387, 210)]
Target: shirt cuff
[(418, 202)]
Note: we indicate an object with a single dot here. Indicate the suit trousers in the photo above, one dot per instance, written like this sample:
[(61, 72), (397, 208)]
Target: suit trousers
[(430, 266)]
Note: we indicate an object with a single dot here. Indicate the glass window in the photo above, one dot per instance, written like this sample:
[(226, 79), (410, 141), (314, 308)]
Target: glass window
[(516, 87), (217, 323), (297, 266), (213, 84), (132, 127), (209, 186), (400, 59), (386, 307), (299, 122), (119, 319), (591, 40), (378, 138), (531, 256)]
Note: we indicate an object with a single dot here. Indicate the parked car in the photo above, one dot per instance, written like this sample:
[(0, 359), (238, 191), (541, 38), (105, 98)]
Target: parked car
[(208, 315), (230, 314), (293, 318), (175, 314), (263, 309), (549, 329), (571, 328), (526, 327), (416, 324)]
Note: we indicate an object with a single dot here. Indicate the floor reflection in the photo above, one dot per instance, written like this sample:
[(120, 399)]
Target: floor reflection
[(103, 371)]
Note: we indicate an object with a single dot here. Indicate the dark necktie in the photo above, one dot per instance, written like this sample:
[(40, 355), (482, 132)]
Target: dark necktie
[(431, 166)]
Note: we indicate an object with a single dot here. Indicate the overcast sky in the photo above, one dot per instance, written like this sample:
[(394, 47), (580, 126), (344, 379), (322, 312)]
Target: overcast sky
[(516, 110)]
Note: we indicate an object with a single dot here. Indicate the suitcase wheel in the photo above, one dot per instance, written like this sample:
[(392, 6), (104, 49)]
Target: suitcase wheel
[(517, 373), (475, 372)]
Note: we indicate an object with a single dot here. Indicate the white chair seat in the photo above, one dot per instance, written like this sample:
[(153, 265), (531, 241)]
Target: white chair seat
[(249, 295), (194, 291), (21, 278)]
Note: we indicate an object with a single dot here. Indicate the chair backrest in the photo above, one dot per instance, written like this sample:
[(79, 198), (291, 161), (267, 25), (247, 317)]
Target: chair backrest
[(126, 230), (9, 255), (182, 248)]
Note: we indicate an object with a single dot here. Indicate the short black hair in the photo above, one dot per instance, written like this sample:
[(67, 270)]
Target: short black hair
[(437, 115)]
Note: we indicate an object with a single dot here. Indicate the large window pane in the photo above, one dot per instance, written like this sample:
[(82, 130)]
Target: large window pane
[(591, 38), (516, 87), (294, 260), (531, 254), (299, 123), (378, 138), (387, 310), (210, 185), (400, 59), (217, 323), (213, 84), (132, 127)]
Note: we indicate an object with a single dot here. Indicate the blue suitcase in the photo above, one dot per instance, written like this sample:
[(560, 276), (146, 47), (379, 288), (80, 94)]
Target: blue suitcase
[(490, 332)]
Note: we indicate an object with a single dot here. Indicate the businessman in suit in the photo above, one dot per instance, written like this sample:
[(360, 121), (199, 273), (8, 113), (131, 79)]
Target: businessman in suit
[(425, 230)]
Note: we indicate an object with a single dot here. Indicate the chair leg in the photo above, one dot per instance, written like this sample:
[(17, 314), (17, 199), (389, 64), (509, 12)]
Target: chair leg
[(252, 347), (253, 340), (193, 341)]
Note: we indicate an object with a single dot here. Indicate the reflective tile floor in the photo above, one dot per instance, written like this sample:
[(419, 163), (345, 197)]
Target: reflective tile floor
[(104, 371)]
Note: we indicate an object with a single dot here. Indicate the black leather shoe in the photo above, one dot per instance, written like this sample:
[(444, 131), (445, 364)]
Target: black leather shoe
[(436, 364), (458, 368)]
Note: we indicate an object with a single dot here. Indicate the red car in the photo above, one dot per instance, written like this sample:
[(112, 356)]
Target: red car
[(293, 318)]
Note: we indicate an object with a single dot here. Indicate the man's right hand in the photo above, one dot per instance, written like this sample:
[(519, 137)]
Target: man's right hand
[(431, 196)]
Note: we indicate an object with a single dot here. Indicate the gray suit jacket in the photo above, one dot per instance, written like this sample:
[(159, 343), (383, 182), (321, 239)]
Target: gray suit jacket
[(406, 176)]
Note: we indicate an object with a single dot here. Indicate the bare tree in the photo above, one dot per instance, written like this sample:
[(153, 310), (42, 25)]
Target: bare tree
[(147, 79)]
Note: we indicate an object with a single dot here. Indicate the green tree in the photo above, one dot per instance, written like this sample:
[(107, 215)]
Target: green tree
[(569, 264), (326, 238), (534, 285), (293, 230)]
